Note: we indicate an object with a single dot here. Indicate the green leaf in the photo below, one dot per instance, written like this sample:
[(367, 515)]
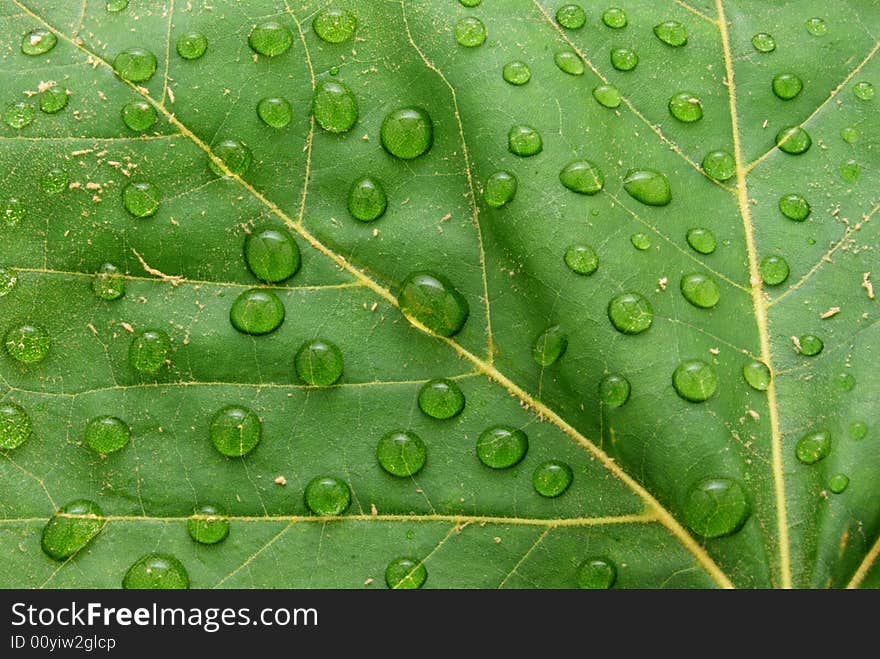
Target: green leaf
[(659, 451)]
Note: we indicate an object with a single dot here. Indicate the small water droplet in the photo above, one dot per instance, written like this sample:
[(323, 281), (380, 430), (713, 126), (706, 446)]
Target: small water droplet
[(106, 434), (108, 283), (630, 313), (764, 43), (794, 207), (700, 290), (685, 107), (641, 241), (327, 495), (441, 399), (524, 141), (846, 381), (71, 528), (858, 429), (624, 59), (571, 17), (470, 32), (694, 380), (406, 573), (813, 446), (256, 311), (149, 350), (138, 115), (13, 212), (597, 573), (607, 95), (794, 140), (581, 259), (275, 111), (207, 525), (552, 478), (500, 189), (516, 73), (757, 375), (192, 45), (715, 507), (817, 27), (407, 133), (234, 154), (156, 572), (864, 91), (583, 177), (838, 483), (550, 345), (114, 6), (614, 17), (235, 430), (53, 100), (8, 280), (569, 62), (15, 425), (38, 42), (719, 164), (55, 181), (319, 363), (270, 39), (810, 345), (648, 186), (672, 33), (849, 134), (135, 64), (401, 453), (501, 447), (28, 344), (271, 255), (774, 270), (335, 106), (431, 300), (849, 171), (614, 390), (787, 85), (366, 199), (141, 198), (19, 114), (335, 25)]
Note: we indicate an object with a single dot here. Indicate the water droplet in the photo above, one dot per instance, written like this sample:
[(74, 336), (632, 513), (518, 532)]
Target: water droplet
[(641, 241), (234, 154), (794, 207), (319, 363), (672, 33), (813, 446), (138, 115), (569, 62), (15, 425), (500, 189), (156, 572), (433, 301), (441, 399), (524, 141), (327, 495), (149, 351), (38, 42), (719, 164), (849, 171), (405, 574), (516, 73), (700, 290), (624, 59), (53, 100), (787, 85), (27, 344), (335, 106), (764, 43), (571, 17), (793, 140), (614, 17), (13, 213), (849, 134), (648, 186), (607, 95), (275, 111), (19, 114), (114, 6), (335, 25), (8, 280), (366, 199), (614, 390), (817, 27), (271, 255), (401, 453), (582, 176), (235, 430), (407, 133), (596, 573), (694, 380), (141, 198), (135, 64), (270, 39), (550, 345), (864, 91), (256, 311), (810, 345), (501, 447), (846, 381), (858, 429), (71, 528), (774, 270), (192, 45), (207, 525), (55, 181), (838, 483), (552, 478), (108, 283), (757, 375), (106, 434), (581, 259), (685, 107), (470, 32), (715, 507), (630, 313)]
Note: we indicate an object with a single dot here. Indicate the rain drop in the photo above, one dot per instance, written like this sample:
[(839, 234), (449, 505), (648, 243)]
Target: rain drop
[(550, 345), (838, 483), (19, 114), (757, 375), (71, 528), (607, 96), (335, 25), (501, 447), (108, 283), (106, 434), (499, 189), (55, 181), (366, 199), (794, 207), (641, 241), (516, 73), (401, 453), (552, 478), (858, 429), (813, 446), (256, 311), (192, 45), (614, 17), (38, 42), (138, 115), (28, 344), (15, 425), (148, 351), (275, 111), (764, 43), (156, 572), (8, 280), (53, 100), (319, 363), (13, 213), (207, 525), (864, 91), (817, 27), (614, 390), (787, 85), (719, 165), (135, 64), (270, 39), (794, 140), (235, 156), (524, 141), (114, 6), (849, 171), (470, 32), (624, 59), (630, 313), (685, 107), (327, 495), (700, 290), (235, 430), (441, 399), (431, 300), (596, 573), (407, 133), (335, 106), (810, 345), (672, 33), (581, 259), (849, 134), (774, 270), (571, 17), (405, 573), (141, 198), (715, 507), (694, 380), (583, 177), (271, 255), (569, 62), (648, 186)]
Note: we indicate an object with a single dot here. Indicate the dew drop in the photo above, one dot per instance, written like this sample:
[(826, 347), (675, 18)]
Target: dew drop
[(275, 111), (319, 363), (614, 390), (552, 478), (794, 140), (270, 39), (441, 399), (685, 107), (114, 6), (19, 114), (55, 181), (774, 270), (156, 572), (569, 62), (849, 171), (405, 573), (500, 189), (846, 382), (787, 85), (71, 528), (366, 199), (271, 255), (864, 91), (108, 283), (192, 45), (838, 483), (757, 375), (524, 141), (672, 33), (207, 525), (431, 300), (849, 134), (138, 115), (694, 380), (407, 133), (8, 280), (141, 198), (810, 345), (470, 32), (764, 43), (858, 429), (13, 212), (700, 290), (234, 154), (501, 447), (794, 207), (630, 313), (813, 446), (581, 259), (135, 64), (235, 430), (597, 573), (149, 350), (335, 106), (550, 345), (715, 507), (516, 73), (335, 25), (583, 177), (401, 453), (641, 241), (571, 17), (256, 311), (607, 96), (817, 27), (624, 59), (614, 17), (15, 425), (719, 164), (38, 42), (106, 434), (648, 186), (327, 495), (53, 100), (28, 344)]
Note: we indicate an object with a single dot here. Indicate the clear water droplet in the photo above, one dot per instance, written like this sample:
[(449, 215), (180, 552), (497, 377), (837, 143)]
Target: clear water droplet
[(499, 189), (327, 495), (501, 447), (719, 164), (138, 115), (757, 375), (156, 572), (810, 345), (614, 390), (319, 363), (149, 350), (28, 344), (15, 425), (114, 6), (235, 430), (192, 45), (271, 255), (70, 529), (607, 96), (431, 300), (794, 140), (141, 198), (715, 507), (108, 283), (597, 573), (764, 43), (407, 133), (685, 107), (581, 259), (838, 483), (641, 241), (135, 64), (813, 446), (552, 478), (270, 39), (335, 106), (13, 211), (849, 171), (672, 33), (858, 429), (107, 434), (366, 199), (54, 99), (864, 91), (19, 114), (849, 134), (524, 141), (55, 181), (624, 59), (571, 16), (470, 32), (8, 280), (406, 573), (516, 73), (817, 27), (256, 311), (614, 17), (700, 290), (401, 453), (787, 85), (569, 62), (335, 25), (234, 154), (550, 345), (648, 186), (846, 382), (207, 525), (794, 207), (275, 111), (582, 176), (774, 270), (630, 313), (441, 399), (694, 380), (38, 42)]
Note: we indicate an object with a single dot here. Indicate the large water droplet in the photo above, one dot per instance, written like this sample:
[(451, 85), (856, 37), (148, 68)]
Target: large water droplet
[(501, 447), (149, 350), (275, 111), (596, 573), (648, 186), (433, 301), (809, 345), (141, 198), (335, 106), (156, 572), (794, 207), (571, 16), (813, 446), (500, 189), (701, 240), (405, 574), (235, 430), (108, 283), (138, 115), (614, 17), (207, 525), (441, 399), (569, 62), (71, 528), (685, 107), (13, 212), (401, 453), (272, 255), (624, 59), (630, 313), (470, 32), (719, 164), (8, 280), (757, 375), (816, 26), (614, 390), (38, 42), (135, 64), (19, 114), (672, 33), (700, 290), (28, 344), (15, 425), (55, 181), (524, 141), (335, 25), (366, 199), (787, 85), (694, 380), (407, 133), (327, 495), (864, 91), (319, 363), (582, 176), (256, 311), (54, 99), (715, 507), (192, 45), (552, 478), (794, 140), (849, 171), (270, 39), (641, 241), (581, 259), (516, 73), (763, 42), (106, 434), (774, 270), (838, 483), (607, 95), (550, 345)]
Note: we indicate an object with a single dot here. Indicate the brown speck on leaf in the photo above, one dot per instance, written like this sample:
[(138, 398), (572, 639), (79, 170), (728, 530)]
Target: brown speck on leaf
[(368, 581), (280, 480), (497, 540), (715, 351), (127, 327), (92, 328), (867, 285), (754, 415), (373, 510), (661, 283), (797, 343), (171, 95), (832, 311), (374, 306)]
